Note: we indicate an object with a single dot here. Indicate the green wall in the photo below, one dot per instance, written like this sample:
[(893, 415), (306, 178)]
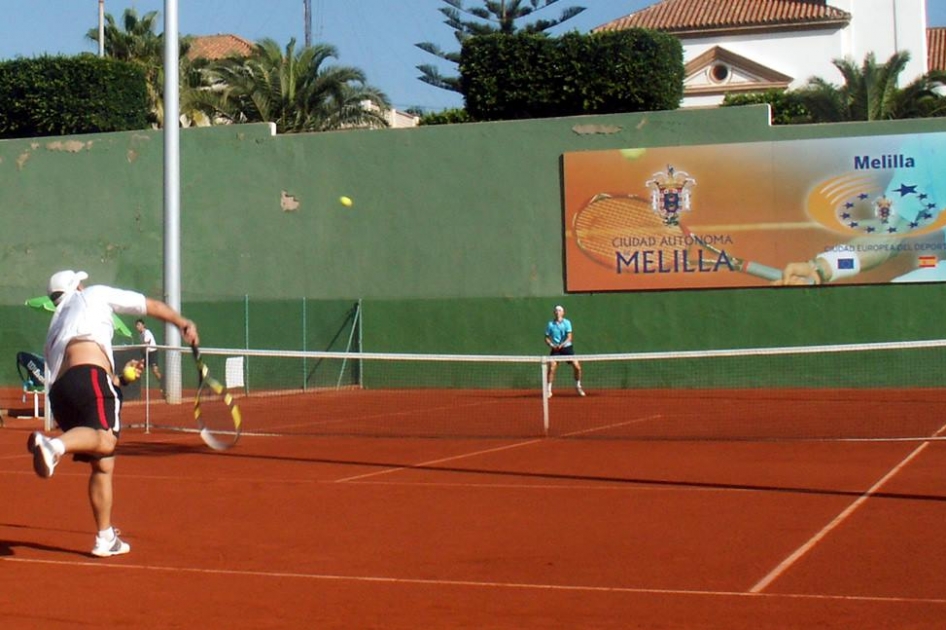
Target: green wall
[(454, 241)]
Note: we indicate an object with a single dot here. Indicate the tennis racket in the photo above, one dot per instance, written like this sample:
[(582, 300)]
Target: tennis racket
[(609, 224), (217, 414)]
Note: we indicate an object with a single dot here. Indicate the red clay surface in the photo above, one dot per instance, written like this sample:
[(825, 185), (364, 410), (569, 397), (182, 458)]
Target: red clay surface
[(411, 533), (606, 413)]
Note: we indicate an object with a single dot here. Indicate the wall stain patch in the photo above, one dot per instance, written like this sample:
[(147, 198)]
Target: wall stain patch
[(587, 130), (70, 146), (287, 202)]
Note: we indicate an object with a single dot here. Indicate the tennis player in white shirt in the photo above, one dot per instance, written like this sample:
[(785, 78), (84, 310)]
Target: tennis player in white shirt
[(147, 338), (82, 385)]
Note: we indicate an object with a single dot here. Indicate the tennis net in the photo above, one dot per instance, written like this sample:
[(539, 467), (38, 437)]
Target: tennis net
[(858, 391)]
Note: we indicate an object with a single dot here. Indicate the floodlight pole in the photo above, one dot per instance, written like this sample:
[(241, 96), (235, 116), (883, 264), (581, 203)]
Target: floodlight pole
[(101, 28), (172, 197)]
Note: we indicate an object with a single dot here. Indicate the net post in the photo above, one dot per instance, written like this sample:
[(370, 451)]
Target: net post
[(147, 374), (305, 346), (545, 399), (246, 337), (355, 329), (361, 346)]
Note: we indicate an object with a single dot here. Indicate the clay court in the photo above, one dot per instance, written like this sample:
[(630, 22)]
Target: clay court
[(487, 532)]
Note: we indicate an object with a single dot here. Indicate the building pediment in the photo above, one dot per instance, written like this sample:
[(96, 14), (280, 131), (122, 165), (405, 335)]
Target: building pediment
[(721, 71)]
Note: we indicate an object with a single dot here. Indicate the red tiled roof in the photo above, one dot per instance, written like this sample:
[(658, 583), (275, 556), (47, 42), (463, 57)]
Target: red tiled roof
[(936, 44), (679, 16), (219, 47)]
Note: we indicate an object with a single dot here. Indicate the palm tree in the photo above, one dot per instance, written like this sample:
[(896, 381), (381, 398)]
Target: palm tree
[(495, 16), (294, 89), (136, 42), (870, 92)]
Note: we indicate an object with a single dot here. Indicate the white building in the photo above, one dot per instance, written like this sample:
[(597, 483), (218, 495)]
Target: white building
[(752, 45)]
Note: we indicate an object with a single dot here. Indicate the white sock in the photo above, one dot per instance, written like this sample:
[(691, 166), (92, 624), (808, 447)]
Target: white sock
[(107, 534), (58, 447), (578, 384)]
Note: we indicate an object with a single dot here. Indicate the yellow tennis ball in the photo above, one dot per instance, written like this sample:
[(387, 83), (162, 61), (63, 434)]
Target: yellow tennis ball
[(130, 374), (632, 154), (345, 201)]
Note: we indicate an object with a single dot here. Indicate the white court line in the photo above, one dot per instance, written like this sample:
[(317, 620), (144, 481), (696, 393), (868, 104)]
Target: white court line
[(655, 416), (483, 452), (376, 416), (440, 461), (469, 583), (787, 563)]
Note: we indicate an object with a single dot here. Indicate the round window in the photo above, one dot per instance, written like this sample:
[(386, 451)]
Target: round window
[(719, 73)]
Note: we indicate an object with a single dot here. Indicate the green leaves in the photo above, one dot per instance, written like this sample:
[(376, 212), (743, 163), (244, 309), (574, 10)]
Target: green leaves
[(494, 16), (533, 76), (296, 89), (869, 92), (52, 96)]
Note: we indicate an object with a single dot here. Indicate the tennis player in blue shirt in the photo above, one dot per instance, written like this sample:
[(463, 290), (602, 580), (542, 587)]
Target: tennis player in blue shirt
[(558, 337)]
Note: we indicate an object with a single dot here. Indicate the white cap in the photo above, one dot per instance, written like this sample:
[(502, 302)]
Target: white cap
[(559, 308), (64, 282)]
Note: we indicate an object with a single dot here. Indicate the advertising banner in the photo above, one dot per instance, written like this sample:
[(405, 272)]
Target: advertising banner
[(861, 210)]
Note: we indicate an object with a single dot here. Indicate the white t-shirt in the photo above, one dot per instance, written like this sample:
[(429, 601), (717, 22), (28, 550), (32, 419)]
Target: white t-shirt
[(147, 338), (87, 315)]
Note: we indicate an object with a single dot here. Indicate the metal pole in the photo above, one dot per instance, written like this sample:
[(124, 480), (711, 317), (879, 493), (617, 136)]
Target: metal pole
[(246, 321), (246, 341), (545, 397), (147, 388), (172, 197), (101, 28), (307, 13), (305, 346)]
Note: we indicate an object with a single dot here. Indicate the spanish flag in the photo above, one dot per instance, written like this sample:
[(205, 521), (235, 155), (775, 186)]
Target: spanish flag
[(927, 261)]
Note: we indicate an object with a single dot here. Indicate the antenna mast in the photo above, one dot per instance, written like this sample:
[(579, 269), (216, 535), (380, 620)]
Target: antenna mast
[(307, 10)]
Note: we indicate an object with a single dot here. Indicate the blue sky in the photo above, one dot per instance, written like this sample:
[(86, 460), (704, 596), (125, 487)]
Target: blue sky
[(377, 36)]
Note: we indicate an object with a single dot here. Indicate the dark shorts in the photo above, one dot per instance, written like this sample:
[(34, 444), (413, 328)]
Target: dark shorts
[(85, 397), (150, 357), (566, 351)]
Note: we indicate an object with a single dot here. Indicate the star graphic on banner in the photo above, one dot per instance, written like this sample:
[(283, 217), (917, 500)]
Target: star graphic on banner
[(894, 222)]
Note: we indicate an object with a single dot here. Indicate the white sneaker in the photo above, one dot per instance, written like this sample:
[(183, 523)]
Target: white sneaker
[(44, 457), (548, 394), (580, 391), (106, 548)]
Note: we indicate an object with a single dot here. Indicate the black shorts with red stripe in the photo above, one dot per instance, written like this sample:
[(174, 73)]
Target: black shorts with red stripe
[(85, 397)]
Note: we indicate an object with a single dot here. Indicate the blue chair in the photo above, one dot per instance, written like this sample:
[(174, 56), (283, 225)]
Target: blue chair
[(32, 371)]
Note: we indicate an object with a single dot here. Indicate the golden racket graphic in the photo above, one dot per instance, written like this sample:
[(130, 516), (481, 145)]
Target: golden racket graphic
[(609, 223)]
